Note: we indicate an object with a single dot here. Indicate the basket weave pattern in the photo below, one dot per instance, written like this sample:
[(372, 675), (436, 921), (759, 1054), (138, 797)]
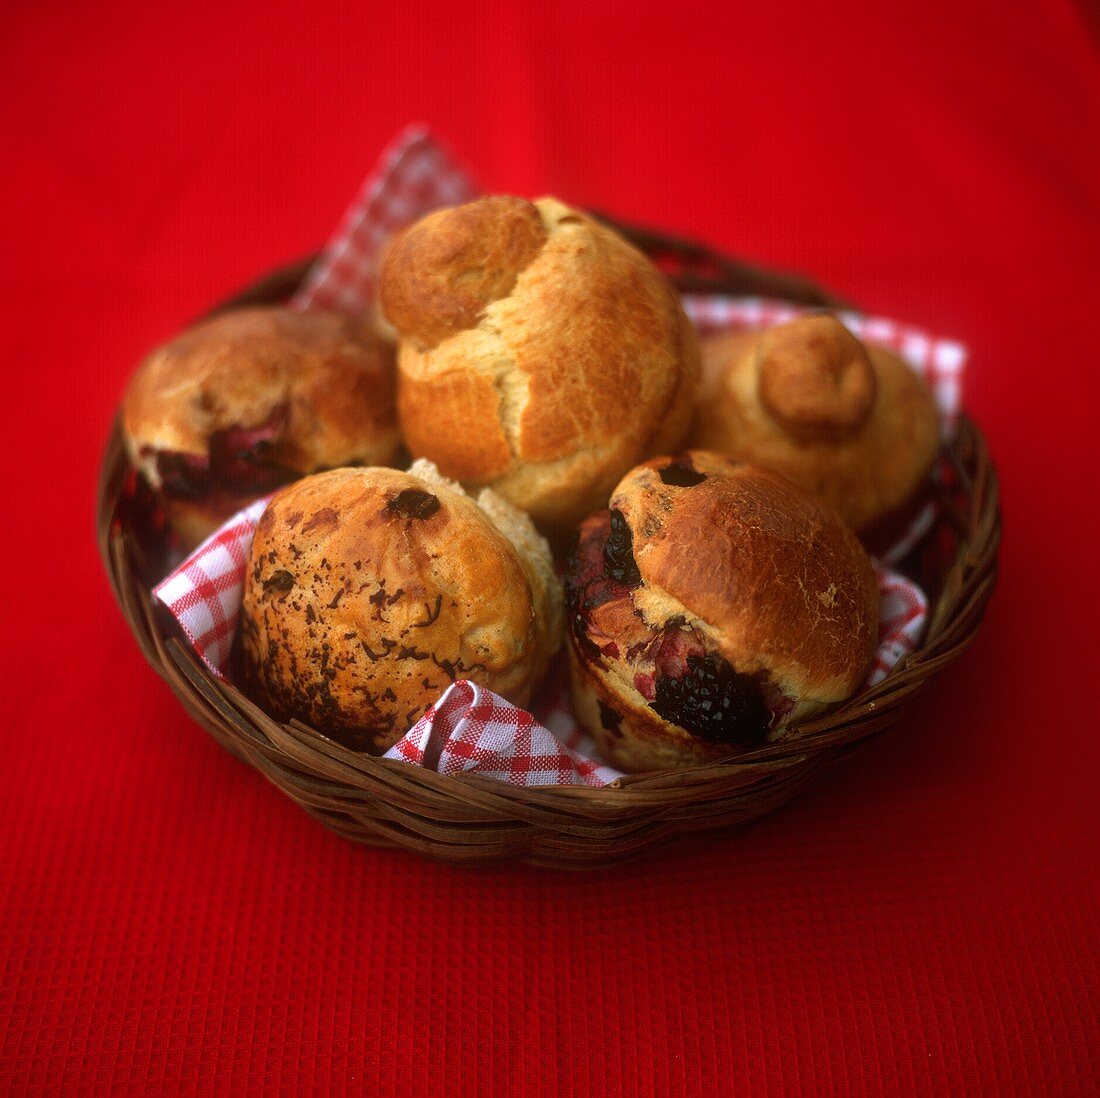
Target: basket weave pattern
[(472, 819)]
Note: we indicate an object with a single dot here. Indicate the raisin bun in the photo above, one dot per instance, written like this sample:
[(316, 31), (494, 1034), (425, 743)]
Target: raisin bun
[(711, 606), (369, 591), (540, 353), (252, 399), (850, 423)]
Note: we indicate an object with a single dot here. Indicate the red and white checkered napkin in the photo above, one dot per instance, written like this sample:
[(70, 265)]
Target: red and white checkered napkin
[(204, 592), (469, 727), (415, 175)]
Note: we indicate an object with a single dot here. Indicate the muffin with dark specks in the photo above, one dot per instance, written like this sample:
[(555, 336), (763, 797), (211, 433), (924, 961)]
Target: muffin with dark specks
[(369, 591)]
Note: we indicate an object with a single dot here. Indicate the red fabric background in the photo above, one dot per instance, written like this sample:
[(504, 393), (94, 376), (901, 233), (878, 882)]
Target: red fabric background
[(924, 919)]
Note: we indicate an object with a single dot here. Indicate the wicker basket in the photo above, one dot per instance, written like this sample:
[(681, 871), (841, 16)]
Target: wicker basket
[(472, 819)]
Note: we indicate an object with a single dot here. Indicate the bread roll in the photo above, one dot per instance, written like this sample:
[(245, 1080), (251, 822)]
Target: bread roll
[(711, 606), (539, 352), (369, 591), (851, 424), (251, 399)]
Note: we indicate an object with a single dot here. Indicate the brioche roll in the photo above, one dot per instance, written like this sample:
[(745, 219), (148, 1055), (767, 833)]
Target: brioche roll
[(540, 353), (849, 423)]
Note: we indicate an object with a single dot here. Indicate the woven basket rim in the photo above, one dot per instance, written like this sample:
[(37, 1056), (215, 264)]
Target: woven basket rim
[(469, 817)]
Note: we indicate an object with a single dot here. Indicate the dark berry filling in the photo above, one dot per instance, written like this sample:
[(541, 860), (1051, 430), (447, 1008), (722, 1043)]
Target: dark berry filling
[(681, 474), (414, 503), (185, 476), (243, 458), (589, 648), (671, 666), (714, 702), (609, 718), (240, 462), (676, 646), (618, 552)]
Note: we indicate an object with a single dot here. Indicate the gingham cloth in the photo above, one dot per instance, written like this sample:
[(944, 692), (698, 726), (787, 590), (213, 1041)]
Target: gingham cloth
[(470, 728), (414, 175), (417, 174)]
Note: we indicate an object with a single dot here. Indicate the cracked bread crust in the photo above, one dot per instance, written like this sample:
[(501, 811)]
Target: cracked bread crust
[(545, 361), (369, 591)]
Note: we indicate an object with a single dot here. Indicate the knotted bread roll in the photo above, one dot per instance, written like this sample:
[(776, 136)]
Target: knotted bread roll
[(850, 423), (539, 352)]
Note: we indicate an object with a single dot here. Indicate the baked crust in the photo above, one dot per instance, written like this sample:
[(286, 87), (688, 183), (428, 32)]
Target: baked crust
[(851, 424), (544, 361), (709, 571), (298, 391), (369, 591), (441, 273)]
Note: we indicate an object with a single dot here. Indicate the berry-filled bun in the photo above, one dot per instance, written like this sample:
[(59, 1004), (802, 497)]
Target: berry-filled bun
[(251, 399), (712, 605)]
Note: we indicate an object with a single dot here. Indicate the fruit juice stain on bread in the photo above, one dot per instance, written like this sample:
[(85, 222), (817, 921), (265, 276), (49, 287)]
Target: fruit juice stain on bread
[(369, 591), (540, 353), (710, 607), (850, 423), (251, 399)]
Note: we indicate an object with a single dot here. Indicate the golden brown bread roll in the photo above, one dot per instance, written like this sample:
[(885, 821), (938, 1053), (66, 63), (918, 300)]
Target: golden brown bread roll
[(369, 591), (540, 353), (249, 400), (851, 424), (712, 605)]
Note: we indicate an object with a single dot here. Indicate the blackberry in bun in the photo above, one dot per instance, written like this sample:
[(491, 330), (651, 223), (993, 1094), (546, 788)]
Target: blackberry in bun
[(708, 608), (369, 591), (250, 400), (848, 422)]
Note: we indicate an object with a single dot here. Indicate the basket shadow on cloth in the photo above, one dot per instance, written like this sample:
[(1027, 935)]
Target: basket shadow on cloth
[(471, 819)]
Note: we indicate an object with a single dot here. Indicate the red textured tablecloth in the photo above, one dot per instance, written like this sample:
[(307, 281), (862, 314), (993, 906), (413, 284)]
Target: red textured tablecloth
[(925, 919)]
